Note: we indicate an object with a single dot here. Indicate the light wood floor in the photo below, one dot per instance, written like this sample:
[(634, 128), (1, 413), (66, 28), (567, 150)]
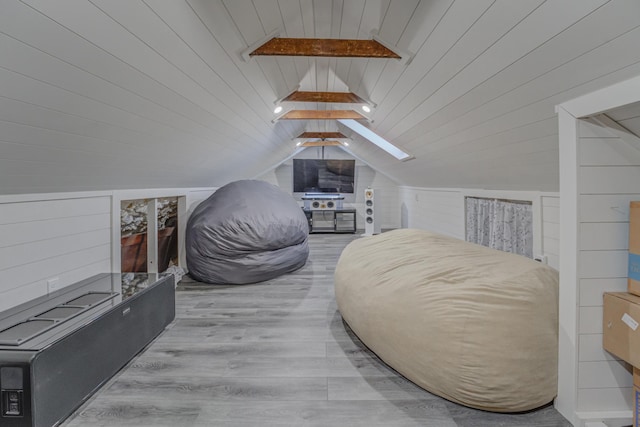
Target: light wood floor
[(275, 353)]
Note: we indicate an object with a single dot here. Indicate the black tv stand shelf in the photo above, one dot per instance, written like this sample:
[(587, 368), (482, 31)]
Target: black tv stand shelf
[(331, 221)]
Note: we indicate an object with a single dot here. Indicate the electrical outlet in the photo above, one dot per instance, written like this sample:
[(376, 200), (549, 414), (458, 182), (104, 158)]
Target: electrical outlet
[(540, 258), (53, 284)]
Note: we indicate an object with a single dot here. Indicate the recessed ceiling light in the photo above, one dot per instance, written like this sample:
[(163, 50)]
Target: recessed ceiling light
[(278, 109), (366, 109), (298, 143), (346, 144)]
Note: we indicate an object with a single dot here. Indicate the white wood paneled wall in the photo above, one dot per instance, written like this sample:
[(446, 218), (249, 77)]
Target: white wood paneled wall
[(68, 237), (441, 210), (437, 210), (551, 230), (598, 178), (607, 166)]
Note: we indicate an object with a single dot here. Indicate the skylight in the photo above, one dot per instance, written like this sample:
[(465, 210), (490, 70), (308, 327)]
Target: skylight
[(370, 135)]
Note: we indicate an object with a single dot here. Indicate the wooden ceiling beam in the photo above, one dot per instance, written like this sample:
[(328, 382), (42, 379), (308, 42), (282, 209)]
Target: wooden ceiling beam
[(319, 143), (322, 115), (335, 97), (321, 135), (337, 48)]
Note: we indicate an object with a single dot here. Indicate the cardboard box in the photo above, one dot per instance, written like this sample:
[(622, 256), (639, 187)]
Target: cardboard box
[(621, 336), (633, 283), (636, 396), (621, 326), (636, 406)]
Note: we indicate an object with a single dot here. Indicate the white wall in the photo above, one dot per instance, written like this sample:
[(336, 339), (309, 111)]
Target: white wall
[(366, 176), (64, 236), (607, 181), (438, 210), (442, 210), (551, 230), (598, 177), (68, 236)]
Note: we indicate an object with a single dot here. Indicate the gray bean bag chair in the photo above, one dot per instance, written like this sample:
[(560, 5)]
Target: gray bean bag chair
[(246, 232), (474, 325)]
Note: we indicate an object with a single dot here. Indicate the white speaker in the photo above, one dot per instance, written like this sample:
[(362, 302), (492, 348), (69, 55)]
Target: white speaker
[(371, 208), (321, 205)]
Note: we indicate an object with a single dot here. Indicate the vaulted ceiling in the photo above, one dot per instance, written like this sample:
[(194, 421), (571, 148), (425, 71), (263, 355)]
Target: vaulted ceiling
[(108, 94)]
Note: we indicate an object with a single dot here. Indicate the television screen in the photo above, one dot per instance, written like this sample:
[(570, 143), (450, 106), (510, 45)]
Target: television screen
[(323, 176)]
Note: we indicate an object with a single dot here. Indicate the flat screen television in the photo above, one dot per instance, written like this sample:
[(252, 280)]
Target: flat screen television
[(323, 176)]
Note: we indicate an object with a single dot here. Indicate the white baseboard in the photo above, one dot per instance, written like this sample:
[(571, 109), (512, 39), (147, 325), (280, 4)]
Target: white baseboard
[(605, 418)]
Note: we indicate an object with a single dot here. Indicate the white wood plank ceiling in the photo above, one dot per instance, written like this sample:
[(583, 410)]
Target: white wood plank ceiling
[(628, 117), (108, 94)]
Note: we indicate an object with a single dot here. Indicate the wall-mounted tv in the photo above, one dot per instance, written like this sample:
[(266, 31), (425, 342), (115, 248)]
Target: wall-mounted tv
[(323, 176)]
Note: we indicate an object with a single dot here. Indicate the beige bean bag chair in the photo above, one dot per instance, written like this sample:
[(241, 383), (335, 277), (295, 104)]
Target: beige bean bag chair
[(471, 324)]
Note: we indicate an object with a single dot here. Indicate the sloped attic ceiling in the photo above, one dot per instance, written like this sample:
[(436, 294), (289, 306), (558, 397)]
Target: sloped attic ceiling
[(628, 117), (108, 94)]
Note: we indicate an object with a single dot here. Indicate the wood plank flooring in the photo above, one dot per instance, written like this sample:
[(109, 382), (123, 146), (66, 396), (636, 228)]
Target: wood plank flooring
[(275, 353)]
